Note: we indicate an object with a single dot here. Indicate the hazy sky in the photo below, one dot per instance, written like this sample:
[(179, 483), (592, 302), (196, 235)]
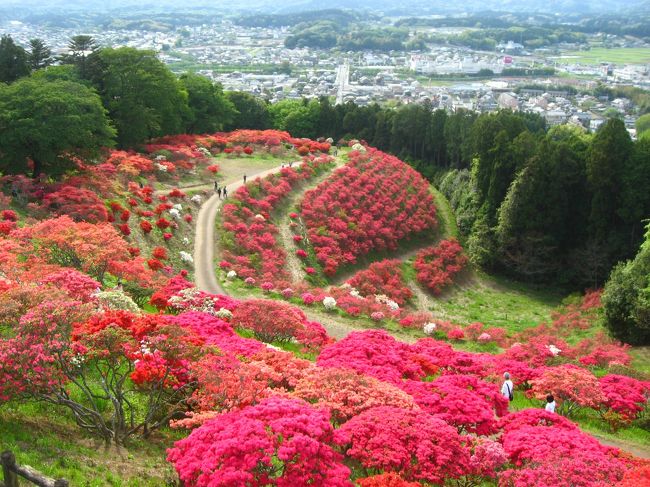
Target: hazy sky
[(413, 6)]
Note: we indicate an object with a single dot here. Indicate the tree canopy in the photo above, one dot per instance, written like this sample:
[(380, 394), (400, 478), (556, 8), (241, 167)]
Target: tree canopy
[(13, 60), (49, 123), (209, 109), (143, 97)]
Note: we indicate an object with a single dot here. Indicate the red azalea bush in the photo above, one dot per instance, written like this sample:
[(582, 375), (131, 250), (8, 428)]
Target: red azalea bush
[(346, 393), (463, 401), (624, 395), (276, 321), (159, 253), (436, 266), (408, 441), (560, 456), (389, 479), (384, 277), (572, 386), (216, 332), (375, 353), (77, 203), (76, 284), (146, 226), (372, 203), (282, 442)]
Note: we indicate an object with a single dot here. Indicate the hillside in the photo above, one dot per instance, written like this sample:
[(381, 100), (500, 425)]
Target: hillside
[(284, 334)]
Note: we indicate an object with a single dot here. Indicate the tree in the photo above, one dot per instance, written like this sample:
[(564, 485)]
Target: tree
[(626, 299), (40, 56), (609, 154), (143, 97), (82, 53), (209, 109), (457, 137), (252, 112), (49, 123), (13, 60), (542, 216)]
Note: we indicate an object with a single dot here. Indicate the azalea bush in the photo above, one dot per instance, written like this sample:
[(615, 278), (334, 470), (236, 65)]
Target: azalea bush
[(372, 203), (275, 321), (422, 447), (436, 266), (382, 278), (346, 393), (283, 442), (573, 387), (117, 373)]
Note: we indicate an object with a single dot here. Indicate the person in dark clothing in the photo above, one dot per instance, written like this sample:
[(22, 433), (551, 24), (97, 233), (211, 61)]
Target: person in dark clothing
[(219, 192), (216, 185), (244, 178), (225, 193)]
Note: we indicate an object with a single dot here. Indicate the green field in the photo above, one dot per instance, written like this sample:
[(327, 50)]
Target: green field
[(624, 55)]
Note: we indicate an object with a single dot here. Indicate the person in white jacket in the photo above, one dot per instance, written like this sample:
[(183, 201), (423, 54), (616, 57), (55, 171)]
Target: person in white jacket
[(507, 389), (550, 403)]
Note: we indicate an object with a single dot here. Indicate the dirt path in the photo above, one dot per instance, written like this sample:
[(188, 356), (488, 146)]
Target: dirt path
[(204, 241), (632, 448)]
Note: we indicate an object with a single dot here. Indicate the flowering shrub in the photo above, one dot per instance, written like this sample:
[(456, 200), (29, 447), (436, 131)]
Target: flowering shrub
[(110, 347), (624, 395), (371, 203), (279, 441), (573, 386), (276, 321), (216, 332), (329, 303), (436, 266), (421, 447), (78, 203), (560, 456), (456, 334), (375, 353), (346, 393), (389, 479), (463, 401), (76, 284), (384, 277)]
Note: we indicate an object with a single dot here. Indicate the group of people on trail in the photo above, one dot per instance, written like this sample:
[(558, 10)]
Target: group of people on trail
[(221, 191), (508, 389)]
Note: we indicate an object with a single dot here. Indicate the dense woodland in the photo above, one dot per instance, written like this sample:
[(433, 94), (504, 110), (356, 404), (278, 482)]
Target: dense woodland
[(555, 206)]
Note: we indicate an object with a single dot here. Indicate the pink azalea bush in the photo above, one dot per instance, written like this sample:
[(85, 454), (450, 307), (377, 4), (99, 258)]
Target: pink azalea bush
[(283, 442)]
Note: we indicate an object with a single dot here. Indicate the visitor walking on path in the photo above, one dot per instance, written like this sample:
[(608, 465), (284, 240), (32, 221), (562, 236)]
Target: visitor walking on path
[(216, 186), (219, 192), (244, 178), (550, 403), (225, 193), (507, 389)]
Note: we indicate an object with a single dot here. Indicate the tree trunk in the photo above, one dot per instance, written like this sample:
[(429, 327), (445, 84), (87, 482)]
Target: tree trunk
[(38, 168)]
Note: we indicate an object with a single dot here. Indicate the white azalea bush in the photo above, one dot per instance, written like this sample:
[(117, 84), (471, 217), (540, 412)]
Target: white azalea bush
[(329, 302)]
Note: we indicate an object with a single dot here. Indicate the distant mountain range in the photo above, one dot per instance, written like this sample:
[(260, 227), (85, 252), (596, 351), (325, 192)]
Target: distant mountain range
[(390, 7)]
